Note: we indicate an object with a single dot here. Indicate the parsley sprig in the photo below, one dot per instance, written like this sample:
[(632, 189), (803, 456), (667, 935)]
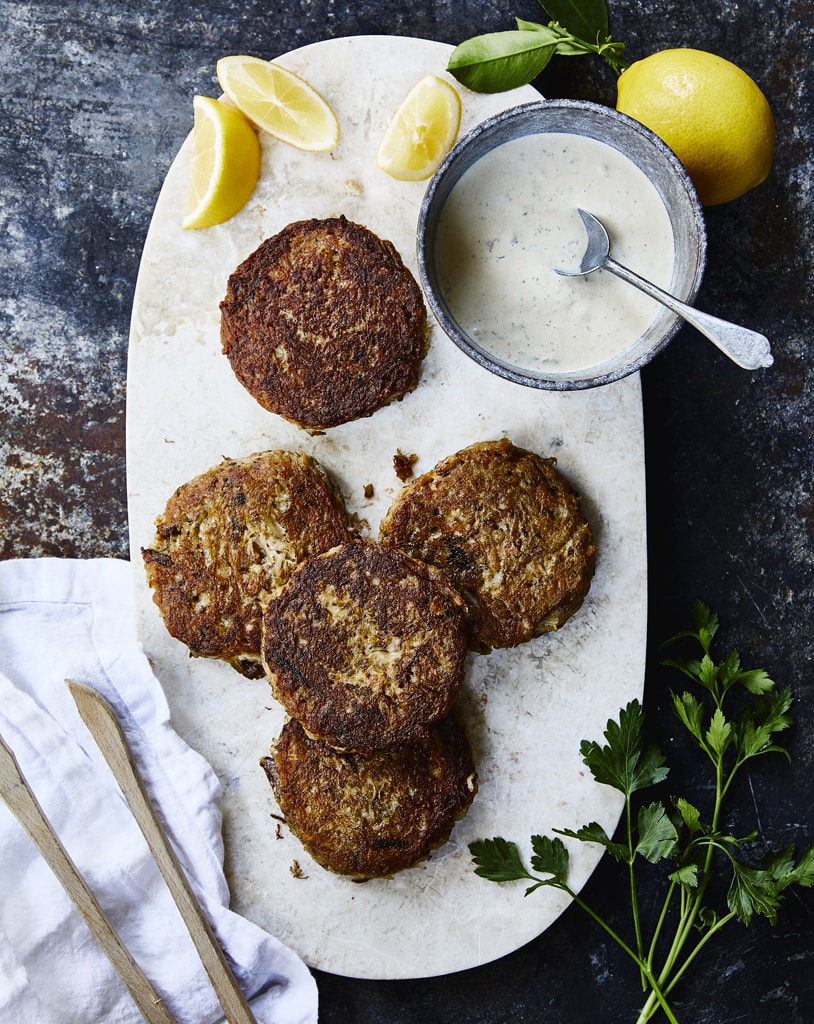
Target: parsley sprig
[(498, 61), (732, 715)]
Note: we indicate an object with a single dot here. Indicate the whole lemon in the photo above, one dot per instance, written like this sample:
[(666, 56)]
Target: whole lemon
[(709, 112)]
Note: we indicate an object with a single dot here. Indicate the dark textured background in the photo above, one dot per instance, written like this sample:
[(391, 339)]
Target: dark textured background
[(97, 100)]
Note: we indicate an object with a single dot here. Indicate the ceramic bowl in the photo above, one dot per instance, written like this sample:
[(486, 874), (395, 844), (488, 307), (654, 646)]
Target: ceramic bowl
[(648, 153)]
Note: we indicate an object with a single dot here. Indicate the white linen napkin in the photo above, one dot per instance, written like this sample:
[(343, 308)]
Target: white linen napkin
[(74, 619)]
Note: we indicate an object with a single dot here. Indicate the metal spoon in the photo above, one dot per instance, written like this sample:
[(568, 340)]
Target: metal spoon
[(744, 347)]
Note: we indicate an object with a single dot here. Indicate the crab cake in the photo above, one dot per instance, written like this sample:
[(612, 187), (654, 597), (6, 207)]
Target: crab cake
[(323, 323), (508, 530), (365, 645), (372, 815), (231, 537)]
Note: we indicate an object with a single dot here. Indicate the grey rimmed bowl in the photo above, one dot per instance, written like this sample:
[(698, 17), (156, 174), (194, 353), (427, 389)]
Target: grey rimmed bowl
[(638, 144)]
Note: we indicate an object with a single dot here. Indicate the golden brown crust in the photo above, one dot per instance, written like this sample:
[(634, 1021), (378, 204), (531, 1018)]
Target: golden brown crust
[(508, 530), (365, 645), (369, 816), (229, 539), (323, 323)]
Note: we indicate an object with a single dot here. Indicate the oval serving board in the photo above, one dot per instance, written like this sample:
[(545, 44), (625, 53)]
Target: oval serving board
[(526, 709)]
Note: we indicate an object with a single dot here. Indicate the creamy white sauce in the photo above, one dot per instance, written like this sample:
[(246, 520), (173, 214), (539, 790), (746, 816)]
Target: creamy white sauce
[(512, 219)]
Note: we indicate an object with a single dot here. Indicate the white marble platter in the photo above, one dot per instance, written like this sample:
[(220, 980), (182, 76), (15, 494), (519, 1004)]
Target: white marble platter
[(527, 709)]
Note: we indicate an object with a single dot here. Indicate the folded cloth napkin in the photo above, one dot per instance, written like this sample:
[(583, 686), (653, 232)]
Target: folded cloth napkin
[(74, 619)]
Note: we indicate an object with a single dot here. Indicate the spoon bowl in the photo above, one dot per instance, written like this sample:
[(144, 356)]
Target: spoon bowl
[(748, 349), (597, 250)]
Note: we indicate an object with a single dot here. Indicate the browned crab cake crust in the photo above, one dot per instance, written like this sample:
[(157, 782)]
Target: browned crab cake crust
[(324, 323), (365, 645), (230, 538), (372, 815), (508, 530)]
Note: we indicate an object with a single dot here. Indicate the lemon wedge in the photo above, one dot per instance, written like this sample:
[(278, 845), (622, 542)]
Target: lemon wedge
[(422, 130), (225, 164), (279, 102)]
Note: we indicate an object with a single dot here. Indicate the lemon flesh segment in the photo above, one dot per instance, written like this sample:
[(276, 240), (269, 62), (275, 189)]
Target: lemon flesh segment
[(279, 102), (225, 164), (422, 131)]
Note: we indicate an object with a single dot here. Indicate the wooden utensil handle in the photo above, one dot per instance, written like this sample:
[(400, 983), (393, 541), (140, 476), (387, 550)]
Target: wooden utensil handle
[(26, 808), (106, 729)]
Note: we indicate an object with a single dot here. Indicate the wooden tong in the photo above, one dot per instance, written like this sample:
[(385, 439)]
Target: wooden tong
[(105, 728)]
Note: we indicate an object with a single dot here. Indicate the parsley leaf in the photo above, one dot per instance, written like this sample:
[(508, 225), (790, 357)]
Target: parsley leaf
[(622, 763), (594, 833), (719, 734), (753, 891), (657, 834), (498, 860), (550, 857), (785, 872)]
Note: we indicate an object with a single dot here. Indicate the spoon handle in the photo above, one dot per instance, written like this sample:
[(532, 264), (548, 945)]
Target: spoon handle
[(744, 347)]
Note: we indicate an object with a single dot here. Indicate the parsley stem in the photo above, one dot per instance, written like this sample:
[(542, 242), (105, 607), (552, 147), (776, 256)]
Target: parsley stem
[(653, 983), (668, 975), (697, 949), (602, 924), (634, 897), (660, 923)]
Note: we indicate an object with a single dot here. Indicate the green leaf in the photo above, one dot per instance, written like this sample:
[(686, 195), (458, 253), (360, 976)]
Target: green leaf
[(707, 916), (691, 712), (753, 730), (690, 815), (651, 769), (498, 860), (594, 833), (756, 681), (771, 709), (729, 671), (706, 674), (803, 874), (719, 733), (751, 740), (622, 763), (705, 625), (550, 857), (499, 61), (753, 891), (783, 870), (704, 620), (686, 875), (587, 19), (657, 834)]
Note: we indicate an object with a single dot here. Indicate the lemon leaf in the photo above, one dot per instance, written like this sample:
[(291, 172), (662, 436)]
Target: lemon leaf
[(499, 61)]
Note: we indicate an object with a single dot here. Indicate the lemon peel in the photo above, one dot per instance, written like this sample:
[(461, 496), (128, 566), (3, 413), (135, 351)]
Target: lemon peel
[(709, 112), (225, 164), (279, 102), (422, 130)]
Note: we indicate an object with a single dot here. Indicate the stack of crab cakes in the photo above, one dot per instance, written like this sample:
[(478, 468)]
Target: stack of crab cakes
[(365, 648)]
